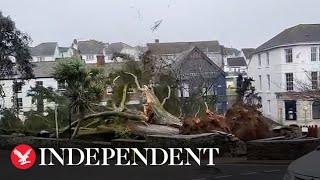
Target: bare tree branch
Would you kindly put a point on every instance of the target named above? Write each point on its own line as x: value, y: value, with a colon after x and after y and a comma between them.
x: 135, y: 80
x: 168, y: 97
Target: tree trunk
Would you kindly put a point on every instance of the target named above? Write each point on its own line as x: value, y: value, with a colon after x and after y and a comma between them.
x: 140, y: 129
x: 159, y: 115
x: 75, y: 132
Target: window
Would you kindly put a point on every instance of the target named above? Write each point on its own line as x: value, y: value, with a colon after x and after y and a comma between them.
x: 288, y: 55
x: 268, y: 60
x: 39, y: 83
x: 291, y: 110
x: 269, y: 85
x: 17, y: 87
x: 314, y: 53
x: 19, y: 103
x: 61, y: 85
x: 259, y: 57
x: 316, y: 110
x: 90, y: 57
x: 39, y: 59
x: 260, y: 82
x: 314, y: 80
x: 184, y: 90
x: 289, y: 81
x: 269, y: 106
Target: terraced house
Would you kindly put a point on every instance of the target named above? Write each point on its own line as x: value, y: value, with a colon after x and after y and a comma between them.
x: 286, y: 70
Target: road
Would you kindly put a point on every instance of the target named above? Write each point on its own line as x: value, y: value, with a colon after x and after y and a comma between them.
x: 235, y: 171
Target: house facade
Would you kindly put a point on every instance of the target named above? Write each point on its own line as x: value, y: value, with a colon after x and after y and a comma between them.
x: 286, y: 72
x: 90, y: 49
x: 18, y: 98
x: 47, y: 51
x: 194, y: 70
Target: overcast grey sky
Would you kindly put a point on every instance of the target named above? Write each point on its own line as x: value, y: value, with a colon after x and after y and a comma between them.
x: 236, y: 23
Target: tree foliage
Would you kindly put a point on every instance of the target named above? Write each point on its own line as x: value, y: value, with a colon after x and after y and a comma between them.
x: 14, y: 45
x: 84, y: 86
x: 246, y: 92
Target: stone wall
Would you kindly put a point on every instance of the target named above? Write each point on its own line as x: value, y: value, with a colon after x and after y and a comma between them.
x: 269, y: 149
x: 228, y: 144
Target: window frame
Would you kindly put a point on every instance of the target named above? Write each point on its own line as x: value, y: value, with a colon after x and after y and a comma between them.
x: 268, y: 59
x: 289, y: 81
x: 260, y: 82
x: 19, y: 103
x: 259, y: 60
x: 39, y: 82
x: 288, y: 55
x: 269, y: 82
x: 314, y: 54
x: 314, y: 80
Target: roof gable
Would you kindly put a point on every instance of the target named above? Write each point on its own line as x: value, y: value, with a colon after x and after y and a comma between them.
x: 183, y: 57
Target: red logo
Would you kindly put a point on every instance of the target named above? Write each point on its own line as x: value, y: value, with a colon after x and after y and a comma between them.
x: 23, y: 156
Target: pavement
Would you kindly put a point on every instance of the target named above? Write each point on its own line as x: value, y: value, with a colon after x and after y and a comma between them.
x: 225, y: 169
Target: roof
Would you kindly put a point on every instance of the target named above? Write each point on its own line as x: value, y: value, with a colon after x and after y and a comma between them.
x: 179, y: 47
x: 248, y: 52
x: 44, y: 49
x: 116, y: 47
x: 236, y: 62
x: 90, y: 47
x: 182, y: 56
x: 302, y: 33
x: 44, y: 69
x: 63, y: 49
x: 231, y: 51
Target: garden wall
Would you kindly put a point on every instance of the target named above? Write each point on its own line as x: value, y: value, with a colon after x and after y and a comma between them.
x: 272, y: 149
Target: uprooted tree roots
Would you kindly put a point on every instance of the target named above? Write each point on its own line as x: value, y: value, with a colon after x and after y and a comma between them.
x: 243, y: 121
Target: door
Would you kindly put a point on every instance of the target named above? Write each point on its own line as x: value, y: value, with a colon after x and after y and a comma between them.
x: 291, y: 110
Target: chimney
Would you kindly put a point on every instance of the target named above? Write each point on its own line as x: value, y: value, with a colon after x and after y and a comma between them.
x: 100, y: 60
x: 156, y: 41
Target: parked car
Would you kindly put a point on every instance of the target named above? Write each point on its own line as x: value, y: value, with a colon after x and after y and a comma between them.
x: 305, y: 168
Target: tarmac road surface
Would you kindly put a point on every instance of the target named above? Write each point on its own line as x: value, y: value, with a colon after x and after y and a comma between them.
x: 231, y: 171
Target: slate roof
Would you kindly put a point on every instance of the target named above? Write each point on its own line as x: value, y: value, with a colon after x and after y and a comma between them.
x: 236, y: 62
x: 116, y: 47
x: 248, y: 52
x: 179, y: 47
x: 44, y: 49
x: 44, y: 69
x: 63, y: 49
x: 231, y: 51
x: 90, y: 47
x: 301, y: 33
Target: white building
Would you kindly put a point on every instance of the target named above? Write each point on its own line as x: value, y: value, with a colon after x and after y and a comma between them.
x: 19, y: 99
x: 283, y: 68
x: 47, y: 51
x: 90, y: 49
